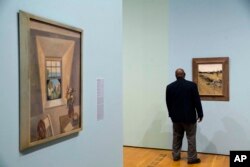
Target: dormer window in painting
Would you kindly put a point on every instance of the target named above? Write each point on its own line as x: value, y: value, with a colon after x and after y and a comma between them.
x: 53, y: 81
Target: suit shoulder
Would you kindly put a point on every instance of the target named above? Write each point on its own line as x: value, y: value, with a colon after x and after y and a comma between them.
x: 191, y: 83
x: 171, y: 84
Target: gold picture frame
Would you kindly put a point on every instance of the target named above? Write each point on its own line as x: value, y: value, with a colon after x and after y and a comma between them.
x: 212, y: 77
x: 50, y: 80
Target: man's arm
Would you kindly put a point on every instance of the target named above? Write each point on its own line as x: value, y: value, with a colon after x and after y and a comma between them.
x: 168, y: 101
x: 198, y: 105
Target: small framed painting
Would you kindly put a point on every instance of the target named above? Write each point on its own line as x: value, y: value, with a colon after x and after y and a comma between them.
x: 212, y: 77
x: 50, y: 80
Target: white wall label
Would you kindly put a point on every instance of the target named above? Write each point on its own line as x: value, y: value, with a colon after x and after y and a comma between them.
x: 100, y: 98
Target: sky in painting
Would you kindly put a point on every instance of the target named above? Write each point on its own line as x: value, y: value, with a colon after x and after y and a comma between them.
x: 209, y: 67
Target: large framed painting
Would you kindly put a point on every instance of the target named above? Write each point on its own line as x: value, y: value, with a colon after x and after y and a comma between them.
x: 212, y: 77
x: 50, y: 80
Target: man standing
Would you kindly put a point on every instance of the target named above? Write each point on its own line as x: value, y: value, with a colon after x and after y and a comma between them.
x: 184, y: 109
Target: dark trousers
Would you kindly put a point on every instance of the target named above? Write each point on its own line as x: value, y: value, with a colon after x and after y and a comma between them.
x: 178, y: 133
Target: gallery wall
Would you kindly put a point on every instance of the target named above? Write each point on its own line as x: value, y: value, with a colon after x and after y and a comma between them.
x: 214, y: 28
x: 185, y: 30
x: 100, y: 141
x: 145, y: 50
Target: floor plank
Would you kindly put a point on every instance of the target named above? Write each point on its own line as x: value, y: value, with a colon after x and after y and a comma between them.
x: 143, y: 157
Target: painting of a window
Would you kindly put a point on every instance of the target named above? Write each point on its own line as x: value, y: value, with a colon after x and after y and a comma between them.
x: 54, y: 81
x: 50, y: 80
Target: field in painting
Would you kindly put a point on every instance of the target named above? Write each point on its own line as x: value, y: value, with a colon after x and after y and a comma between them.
x: 210, y: 83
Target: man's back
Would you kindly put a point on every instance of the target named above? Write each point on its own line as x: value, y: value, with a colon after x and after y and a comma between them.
x: 183, y: 101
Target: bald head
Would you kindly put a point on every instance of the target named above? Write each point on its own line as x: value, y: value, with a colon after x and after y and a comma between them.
x: 180, y: 73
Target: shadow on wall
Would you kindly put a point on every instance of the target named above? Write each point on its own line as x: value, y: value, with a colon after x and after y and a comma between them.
x: 203, y: 145
x: 234, y: 137
x: 44, y: 145
x: 246, y: 4
x: 1, y: 162
x: 207, y: 146
x: 158, y: 135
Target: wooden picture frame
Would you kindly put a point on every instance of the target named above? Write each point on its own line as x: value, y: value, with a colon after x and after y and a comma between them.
x: 212, y: 77
x: 50, y: 80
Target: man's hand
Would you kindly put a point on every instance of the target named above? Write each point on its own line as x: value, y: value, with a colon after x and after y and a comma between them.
x: 200, y: 119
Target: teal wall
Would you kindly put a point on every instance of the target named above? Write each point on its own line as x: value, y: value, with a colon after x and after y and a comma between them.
x: 145, y: 50
x: 100, y: 142
x: 161, y: 36
x: 212, y: 28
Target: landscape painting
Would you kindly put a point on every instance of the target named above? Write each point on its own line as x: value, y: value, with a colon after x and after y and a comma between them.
x: 212, y: 77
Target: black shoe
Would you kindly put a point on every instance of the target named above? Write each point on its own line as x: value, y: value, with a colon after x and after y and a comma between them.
x: 195, y: 161
x: 177, y: 158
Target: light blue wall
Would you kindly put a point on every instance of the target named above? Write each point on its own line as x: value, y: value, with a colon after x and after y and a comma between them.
x: 100, y: 142
x: 145, y: 50
x: 212, y: 28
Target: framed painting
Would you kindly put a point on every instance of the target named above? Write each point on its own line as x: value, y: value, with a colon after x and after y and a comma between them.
x: 50, y: 80
x: 212, y: 78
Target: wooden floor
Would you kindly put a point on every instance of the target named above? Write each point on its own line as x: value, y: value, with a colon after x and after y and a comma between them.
x: 142, y: 157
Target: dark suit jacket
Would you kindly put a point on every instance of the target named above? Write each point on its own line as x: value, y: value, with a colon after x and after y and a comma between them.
x: 183, y: 101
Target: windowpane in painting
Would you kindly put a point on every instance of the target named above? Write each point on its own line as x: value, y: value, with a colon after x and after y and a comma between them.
x: 53, y: 79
